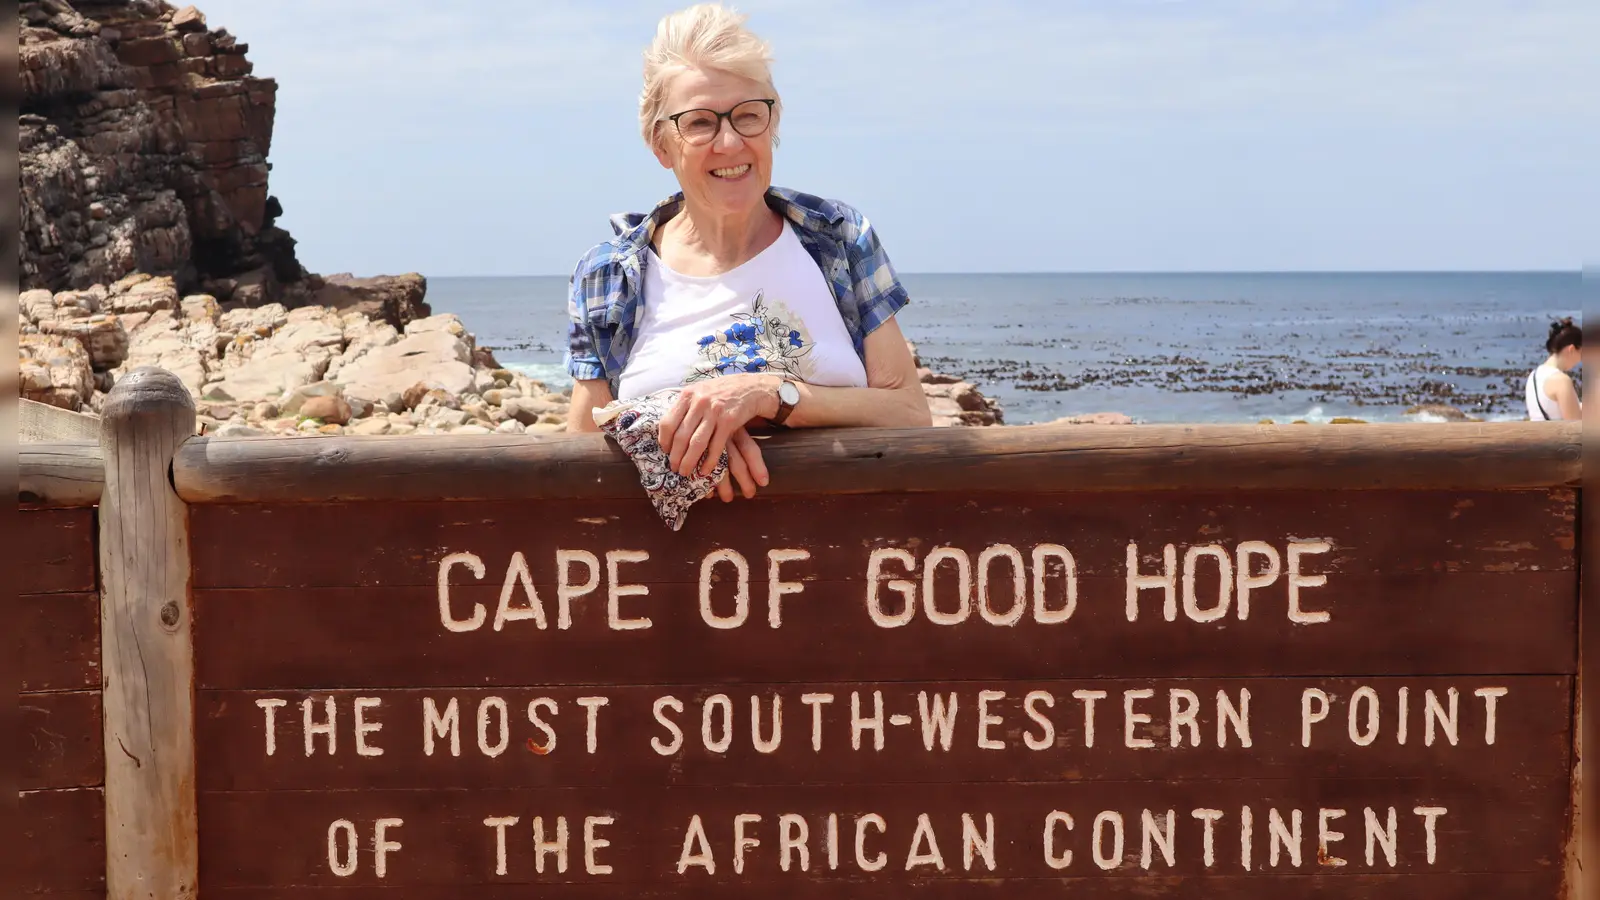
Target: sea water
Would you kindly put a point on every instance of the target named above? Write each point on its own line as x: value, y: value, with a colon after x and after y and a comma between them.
x: 1235, y: 347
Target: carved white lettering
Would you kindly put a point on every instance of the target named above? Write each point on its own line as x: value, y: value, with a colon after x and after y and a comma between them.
x: 792, y: 834
x: 930, y: 572
x: 1132, y: 720
x: 863, y: 862
x: 676, y: 741
x: 1047, y: 729
x: 906, y: 589
x: 503, y: 723
x: 777, y: 588
x: 556, y: 847
x: 975, y: 846
x: 1283, y: 837
x: 500, y: 824
x: 1248, y: 580
x: 816, y: 702
x: 1051, y: 858
x: 985, y: 720
x: 1313, y: 709
x: 435, y: 725
x: 313, y: 728
x: 1042, y: 612
x: 517, y: 575
x: 1167, y: 582
x: 346, y: 866
x: 546, y: 746
x: 1490, y: 695
x: 446, y: 618
x: 874, y: 723
x: 364, y: 728
x: 924, y: 846
x: 1327, y: 836
x: 741, y: 594
x: 1191, y: 602
x: 694, y: 839
x: 1297, y: 581
x: 567, y: 590
x: 1208, y: 818
x: 1019, y: 590
x: 270, y: 706
x: 593, y: 843
x: 1104, y: 858
x: 1153, y: 837
x: 616, y: 590
x: 717, y: 704
x: 591, y: 708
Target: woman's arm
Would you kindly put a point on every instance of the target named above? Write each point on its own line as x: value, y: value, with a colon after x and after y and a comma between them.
x: 709, y: 412
x: 892, y: 398
x: 587, y: 396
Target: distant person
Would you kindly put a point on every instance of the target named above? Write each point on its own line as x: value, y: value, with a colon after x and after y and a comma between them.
x: 1550, y: 392
x: 764, y: 304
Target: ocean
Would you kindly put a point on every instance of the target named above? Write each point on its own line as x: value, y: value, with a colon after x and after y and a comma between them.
x: 1238, y: 347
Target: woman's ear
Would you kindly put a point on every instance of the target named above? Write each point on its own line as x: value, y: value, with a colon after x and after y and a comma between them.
x: 658, y: 146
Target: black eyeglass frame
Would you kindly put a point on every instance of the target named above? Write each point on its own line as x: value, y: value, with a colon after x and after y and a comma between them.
x: 724, y: 115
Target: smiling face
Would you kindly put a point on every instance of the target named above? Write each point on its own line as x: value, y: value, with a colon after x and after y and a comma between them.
x: 729, y: 174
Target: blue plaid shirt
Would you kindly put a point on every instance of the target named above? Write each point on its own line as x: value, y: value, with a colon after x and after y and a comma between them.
x: 605, y: 303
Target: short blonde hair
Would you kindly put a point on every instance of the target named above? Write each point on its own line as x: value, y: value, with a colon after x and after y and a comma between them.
x: 704, y: 36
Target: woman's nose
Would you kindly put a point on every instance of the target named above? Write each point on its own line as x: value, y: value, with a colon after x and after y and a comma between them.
x: 727, y: 138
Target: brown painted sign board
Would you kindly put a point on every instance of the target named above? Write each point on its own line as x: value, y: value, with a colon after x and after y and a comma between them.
x: 1332, y: 693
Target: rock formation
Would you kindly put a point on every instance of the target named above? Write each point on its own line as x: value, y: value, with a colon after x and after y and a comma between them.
x: 143, y: 141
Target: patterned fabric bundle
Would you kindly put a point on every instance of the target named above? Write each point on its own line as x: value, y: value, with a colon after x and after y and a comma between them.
x: 634, y: 425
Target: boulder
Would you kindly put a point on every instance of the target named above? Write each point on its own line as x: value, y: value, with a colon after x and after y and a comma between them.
x: 394, y: 299
x: 332, y: 410
x: 433, y: 357
x: 55, y: 369
x: 102, y: 337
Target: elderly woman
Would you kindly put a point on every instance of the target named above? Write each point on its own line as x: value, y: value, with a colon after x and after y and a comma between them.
x: 766, y: 306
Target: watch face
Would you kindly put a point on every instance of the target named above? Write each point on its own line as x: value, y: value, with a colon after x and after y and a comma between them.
x: 788, y: 393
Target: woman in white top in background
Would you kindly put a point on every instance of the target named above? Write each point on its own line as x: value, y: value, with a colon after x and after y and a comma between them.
x: 1549, y: 392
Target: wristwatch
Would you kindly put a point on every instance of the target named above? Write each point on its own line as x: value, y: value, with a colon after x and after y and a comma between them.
x: 788, y: 399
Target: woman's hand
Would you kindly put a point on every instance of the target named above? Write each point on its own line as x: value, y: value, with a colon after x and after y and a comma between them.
x: 707, y: 416
x: 745, y: 466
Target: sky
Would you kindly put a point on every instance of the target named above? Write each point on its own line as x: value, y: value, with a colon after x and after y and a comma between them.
x: 496, y: 137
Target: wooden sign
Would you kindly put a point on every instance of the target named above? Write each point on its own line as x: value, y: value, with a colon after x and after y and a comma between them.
x: 1218, y: 662
x: 1263, y: 694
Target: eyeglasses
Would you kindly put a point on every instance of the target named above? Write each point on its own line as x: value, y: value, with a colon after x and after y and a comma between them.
x: 699, y: 126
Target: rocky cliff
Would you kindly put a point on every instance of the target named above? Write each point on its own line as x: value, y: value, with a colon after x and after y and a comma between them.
x: 143, y: 142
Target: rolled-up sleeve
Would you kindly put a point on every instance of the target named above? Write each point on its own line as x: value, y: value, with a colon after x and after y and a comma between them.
x: 583, y: 357
x: 879, y: 293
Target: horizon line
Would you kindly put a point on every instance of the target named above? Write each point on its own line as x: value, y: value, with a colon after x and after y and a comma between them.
x: 1581, y: 270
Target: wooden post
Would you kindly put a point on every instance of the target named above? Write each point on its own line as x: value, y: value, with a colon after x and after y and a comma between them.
x: 146, y: 652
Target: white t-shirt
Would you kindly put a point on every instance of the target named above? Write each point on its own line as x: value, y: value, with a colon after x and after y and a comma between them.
x: 775, y: 314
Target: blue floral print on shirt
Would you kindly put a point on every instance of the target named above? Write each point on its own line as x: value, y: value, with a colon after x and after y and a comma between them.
x: 757, y: 341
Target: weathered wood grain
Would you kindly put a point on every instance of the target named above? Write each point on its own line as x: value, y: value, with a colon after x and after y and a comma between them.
x: 146, y: 653
x: 63, y: 846
x: 337, y: 545
x: 1531, y: 734
x: 59, y: 641
x: 60, y: 740
x: 809, y: 462
x: 60, y: 473
x: 1437, y: 623
x: 276, y: 838
x: 1210, y: 887
x: 56, y: 549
